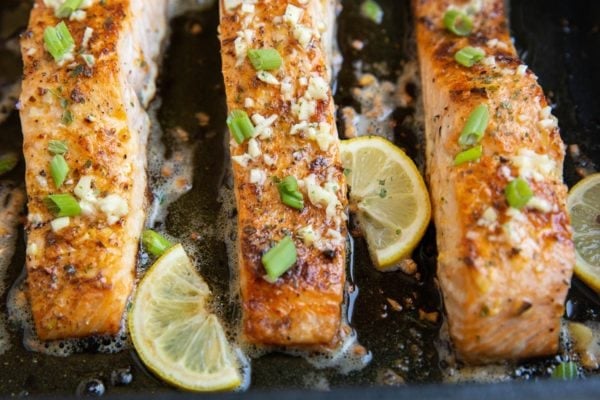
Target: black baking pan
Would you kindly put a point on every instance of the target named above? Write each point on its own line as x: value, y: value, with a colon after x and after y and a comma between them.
x: 559, y: 40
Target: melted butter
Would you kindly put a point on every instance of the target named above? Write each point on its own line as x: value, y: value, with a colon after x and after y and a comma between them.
x: 393, y: 110
x: 169, y: 178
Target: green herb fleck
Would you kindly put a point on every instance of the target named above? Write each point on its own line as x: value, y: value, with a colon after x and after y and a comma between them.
x: 67, y: 117
x: 57, y: 147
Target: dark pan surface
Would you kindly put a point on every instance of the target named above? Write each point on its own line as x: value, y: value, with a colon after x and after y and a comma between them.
x: 559, y: 40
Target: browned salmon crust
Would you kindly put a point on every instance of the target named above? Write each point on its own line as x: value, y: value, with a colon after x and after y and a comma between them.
x: 504, y: 273
x: 80, y: 271
x: 293, y: 111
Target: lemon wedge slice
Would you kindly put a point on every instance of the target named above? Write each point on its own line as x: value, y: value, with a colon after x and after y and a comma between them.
x: 389, y: 197
x: 174, y: 334
x: 584, y: 206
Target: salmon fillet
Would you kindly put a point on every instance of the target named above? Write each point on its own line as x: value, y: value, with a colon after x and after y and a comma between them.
x: 81, y: 270
x: 295, y: 135
x: 504, y: 272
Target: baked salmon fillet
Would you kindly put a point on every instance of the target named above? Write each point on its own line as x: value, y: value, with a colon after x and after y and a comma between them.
x: 294, y: 135
x: 503, y: 233
x: 88, y: 108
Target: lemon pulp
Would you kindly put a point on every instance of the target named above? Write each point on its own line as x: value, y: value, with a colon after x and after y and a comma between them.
x: 389, y: 197
x: 584, y: 206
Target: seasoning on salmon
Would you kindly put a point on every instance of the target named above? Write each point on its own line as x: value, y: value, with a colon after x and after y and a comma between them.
x: 494, y: 163
x: 289, y: 183
x: 88, y: 74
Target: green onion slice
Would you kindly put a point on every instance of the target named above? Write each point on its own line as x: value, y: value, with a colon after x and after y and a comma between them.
x: 469, y: 56
x: 57, y: 147
x: 240, y: 126
x: 566, y: 370
x: 294, y: 200
x: 264, y: 59
x: 154, y: 242
x: 289, y: 193
x: 7, y: 162
x: 58, y: 169
x: 371, y: 10
x: 518, y: 193
x: 62, y: 205
x: 67, y: 8
x: 58, y: 41
x: 475, y: 126
x: 472, y: 154
x: 458, y: 22
x: 280, y: 258
x: 288, y: 184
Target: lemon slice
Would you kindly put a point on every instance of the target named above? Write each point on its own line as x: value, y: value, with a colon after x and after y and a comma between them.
x: 389, y: 196
x: 584, y: 206
x: 173, y: 332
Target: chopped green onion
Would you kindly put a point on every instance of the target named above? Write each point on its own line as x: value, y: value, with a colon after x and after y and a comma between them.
x: 280, y: 258
x: 264, y: 59
x: 57, y: 147
x: 7, y: 162
x: 154, y: 242
x: 62, y: 205
x: 289, y: 194
x: 288, y: 184
x: 475, y: 126
x: 240, y: 126
x: 458, y: 22
x: 566, y: 370
x: 472, y: 154
x: 371, y: 10
x: 469, y: 56
x: 67, y: 8
x: 58, y: 41
x: 518, y: 193
x: 58, y: 169
x: 294, y: 200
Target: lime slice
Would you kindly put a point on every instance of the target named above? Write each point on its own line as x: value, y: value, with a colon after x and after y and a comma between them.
x: 584, y: 206
x: 389, y: 196
x: 173, y: 332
